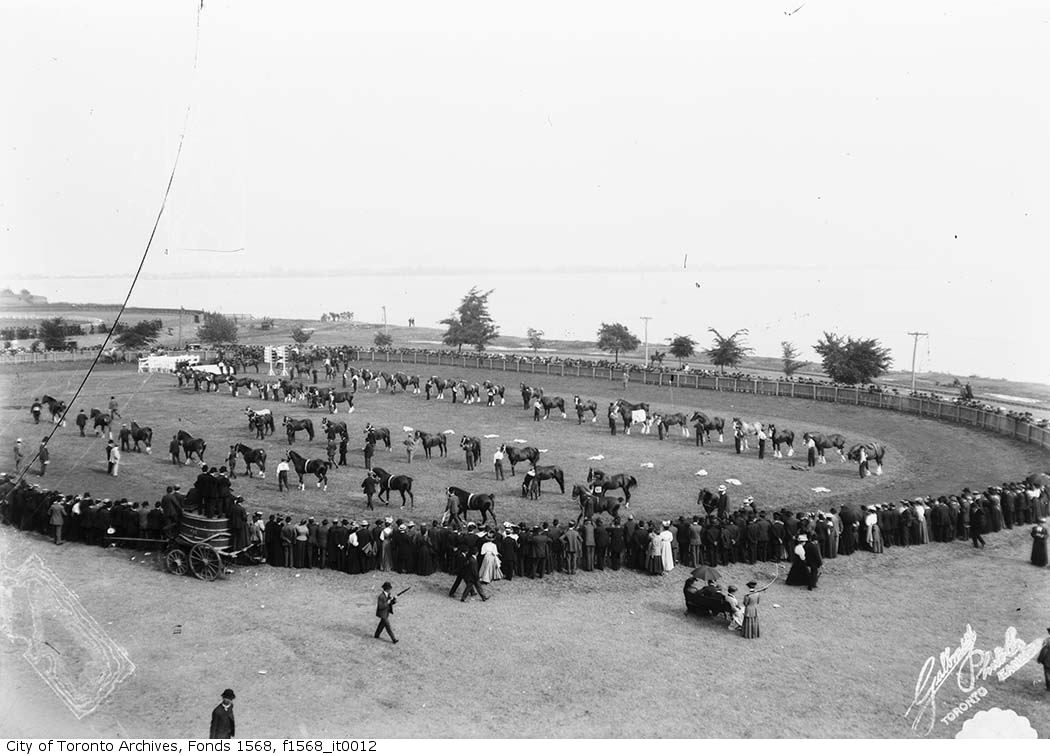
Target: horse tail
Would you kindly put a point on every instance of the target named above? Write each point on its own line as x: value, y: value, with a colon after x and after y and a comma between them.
x: 631, y: 482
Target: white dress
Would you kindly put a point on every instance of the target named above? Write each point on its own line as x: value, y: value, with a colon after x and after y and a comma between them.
x: 490, y: 563
x: 666, y: 554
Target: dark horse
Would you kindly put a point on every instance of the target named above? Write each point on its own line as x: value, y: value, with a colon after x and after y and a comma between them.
x: 705, y: 425
x: 781, y: 438
x: 518, y: 455
x: 497, y: 390
x: 527, y: 394
x: 375, y: 434
x: 591, y: 504
x: 538, y: 474
x: 335, y: 398
x: 473, y: 445
x: 317, y: 467
x: 824, y: 442
x: 582, y: 407
x: 666, y: 420
x: 333, y: 429
x: 101, y: 421
x: 432, y: 441
x: 262, y: 422
x: 603, y: 482
x: 873, y: 451
x: 142, y: 435
x: 292, y: 426
x: 256, y: 456
x: 627, y: 410
x: 54, y: 406
x: 387, y: 482
x: 547, y: 403
x: 191, y: 445
x: 483, y: 502
x: 708, y: 500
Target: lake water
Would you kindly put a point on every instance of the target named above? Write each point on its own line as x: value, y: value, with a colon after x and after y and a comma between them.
x: 966, y: 336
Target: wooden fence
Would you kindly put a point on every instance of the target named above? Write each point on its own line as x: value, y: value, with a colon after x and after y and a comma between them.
x: 945, y: 411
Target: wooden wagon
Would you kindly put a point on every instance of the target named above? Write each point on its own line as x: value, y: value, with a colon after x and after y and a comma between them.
x: 201, y: 546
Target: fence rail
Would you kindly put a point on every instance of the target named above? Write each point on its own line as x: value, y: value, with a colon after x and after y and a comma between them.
x: 944, y: 411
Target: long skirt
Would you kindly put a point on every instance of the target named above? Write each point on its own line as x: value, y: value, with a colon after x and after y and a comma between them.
x: 656, y: 564
x: 750, y: 630
x: 799, y: 574
x: 1039, y: 551
x: 875, y: 539
x: 386, y: 555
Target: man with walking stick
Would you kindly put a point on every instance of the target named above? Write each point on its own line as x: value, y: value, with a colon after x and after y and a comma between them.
x: 384, y: 607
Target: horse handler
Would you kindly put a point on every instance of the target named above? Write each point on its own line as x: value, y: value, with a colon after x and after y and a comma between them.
x: 384, y: 607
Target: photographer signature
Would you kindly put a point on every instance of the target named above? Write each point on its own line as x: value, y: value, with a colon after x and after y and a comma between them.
x: 969, y: 665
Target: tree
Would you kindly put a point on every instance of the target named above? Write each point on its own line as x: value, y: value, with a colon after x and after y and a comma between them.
x: 471, y: 322
x: 301, y: 336
x: 682, y: 347
x: 615, y: 337
x: 792, y: 364
x: 383, y: 339
x: 217, y: 328
x: 141, y: 335
x: 53, y: 333
x: 728, y: 351
x: 536, y: 341
x: 852, y: 360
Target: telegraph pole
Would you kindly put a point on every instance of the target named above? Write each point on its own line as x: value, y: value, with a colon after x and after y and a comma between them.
x: 179, y: 346
x: 914, y: 348
x: 646, y: 319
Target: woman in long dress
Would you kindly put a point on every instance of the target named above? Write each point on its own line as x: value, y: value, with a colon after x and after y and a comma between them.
x: 871, y: 522
x: 751, y: 600
x: 490, y: 563
x: 666, y: 547
x: 386, y: 548
x: 656, y: 562
x: 799, y: 574
x: 1039, y: 535
x: 425, y: 562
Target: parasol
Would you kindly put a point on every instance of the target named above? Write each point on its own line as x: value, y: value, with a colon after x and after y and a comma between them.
x: 707, y: 573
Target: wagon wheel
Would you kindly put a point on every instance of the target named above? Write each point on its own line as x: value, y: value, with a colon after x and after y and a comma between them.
x: 205, y: 562
x: 176, y: 562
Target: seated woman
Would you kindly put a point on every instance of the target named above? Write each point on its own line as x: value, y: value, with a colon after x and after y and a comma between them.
x: 736, y: 618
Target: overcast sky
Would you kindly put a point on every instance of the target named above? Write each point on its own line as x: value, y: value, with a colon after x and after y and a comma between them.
x: 904, y: 144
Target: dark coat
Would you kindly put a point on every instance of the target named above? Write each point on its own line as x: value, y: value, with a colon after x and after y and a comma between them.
x: 222, y: 724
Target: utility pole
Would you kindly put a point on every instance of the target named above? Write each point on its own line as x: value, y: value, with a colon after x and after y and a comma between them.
x: 646, y: 319
x: 914, y: 348
x: 384, y: 318
x: 179, y: 346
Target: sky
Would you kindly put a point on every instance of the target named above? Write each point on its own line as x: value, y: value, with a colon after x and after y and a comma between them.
x: 881, y: 165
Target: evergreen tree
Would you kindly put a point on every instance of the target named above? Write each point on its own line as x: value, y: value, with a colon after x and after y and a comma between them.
x: 471, y: 323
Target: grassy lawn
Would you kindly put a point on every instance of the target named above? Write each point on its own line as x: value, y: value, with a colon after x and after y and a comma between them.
x: 598, y: 654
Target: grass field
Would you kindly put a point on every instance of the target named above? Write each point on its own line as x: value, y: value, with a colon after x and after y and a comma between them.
x: 597, y: 654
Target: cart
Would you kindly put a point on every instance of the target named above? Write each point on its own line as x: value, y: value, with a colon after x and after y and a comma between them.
x: 201, y: 546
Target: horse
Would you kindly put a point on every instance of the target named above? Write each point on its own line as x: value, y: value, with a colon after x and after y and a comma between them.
x: 779, y: 438
x: 256, y: 456
x: 292, y: 426
x: 466, y: 502
x: 599, y: 480
x: 375, y: 434
x: 666, y: 420
x: 101, y: 421
x: 582, y: 407
x: 387, y: 482
x: 440, y: 384
x: 634, y: 414
x: 707, y: 499
x: 746, y: 429
x: 824, y: 442
x: 333, y: 429
x: 527, y: 394
x: 388, y: 381
x: 497, y: 389
x: 261, y: 421
x: 54, y: 406
x: 517, y: 455
x: 432, y: 441
x: 318, y: 467
x: 471, y: 392
x: 142, y: 435
x: 334, y: 398
x: 191, y: 445
x: 547, y: 403
x: 403, y: 380
x: 542, y: 473
x: 472, y: 444
x: 238, y: 383
x: 873, y: 451
x: 591, y: 504
x: 706, y: 424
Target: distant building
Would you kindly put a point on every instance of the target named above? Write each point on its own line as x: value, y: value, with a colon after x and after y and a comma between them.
x: 23, y: 298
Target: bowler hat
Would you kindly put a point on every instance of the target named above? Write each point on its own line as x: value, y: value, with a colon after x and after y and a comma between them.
x: 387, y: 585
x: 227, y: 694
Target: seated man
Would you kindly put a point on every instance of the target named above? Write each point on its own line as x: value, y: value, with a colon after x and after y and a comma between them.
x: 711, y: 591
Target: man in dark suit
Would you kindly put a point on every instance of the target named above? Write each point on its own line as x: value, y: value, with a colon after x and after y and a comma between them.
x: 468, y: 575
x: 617, y: 544
x: 541, y: 544
x: 813, y: 563
x: 384, y: 607
x: 222, y: 724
